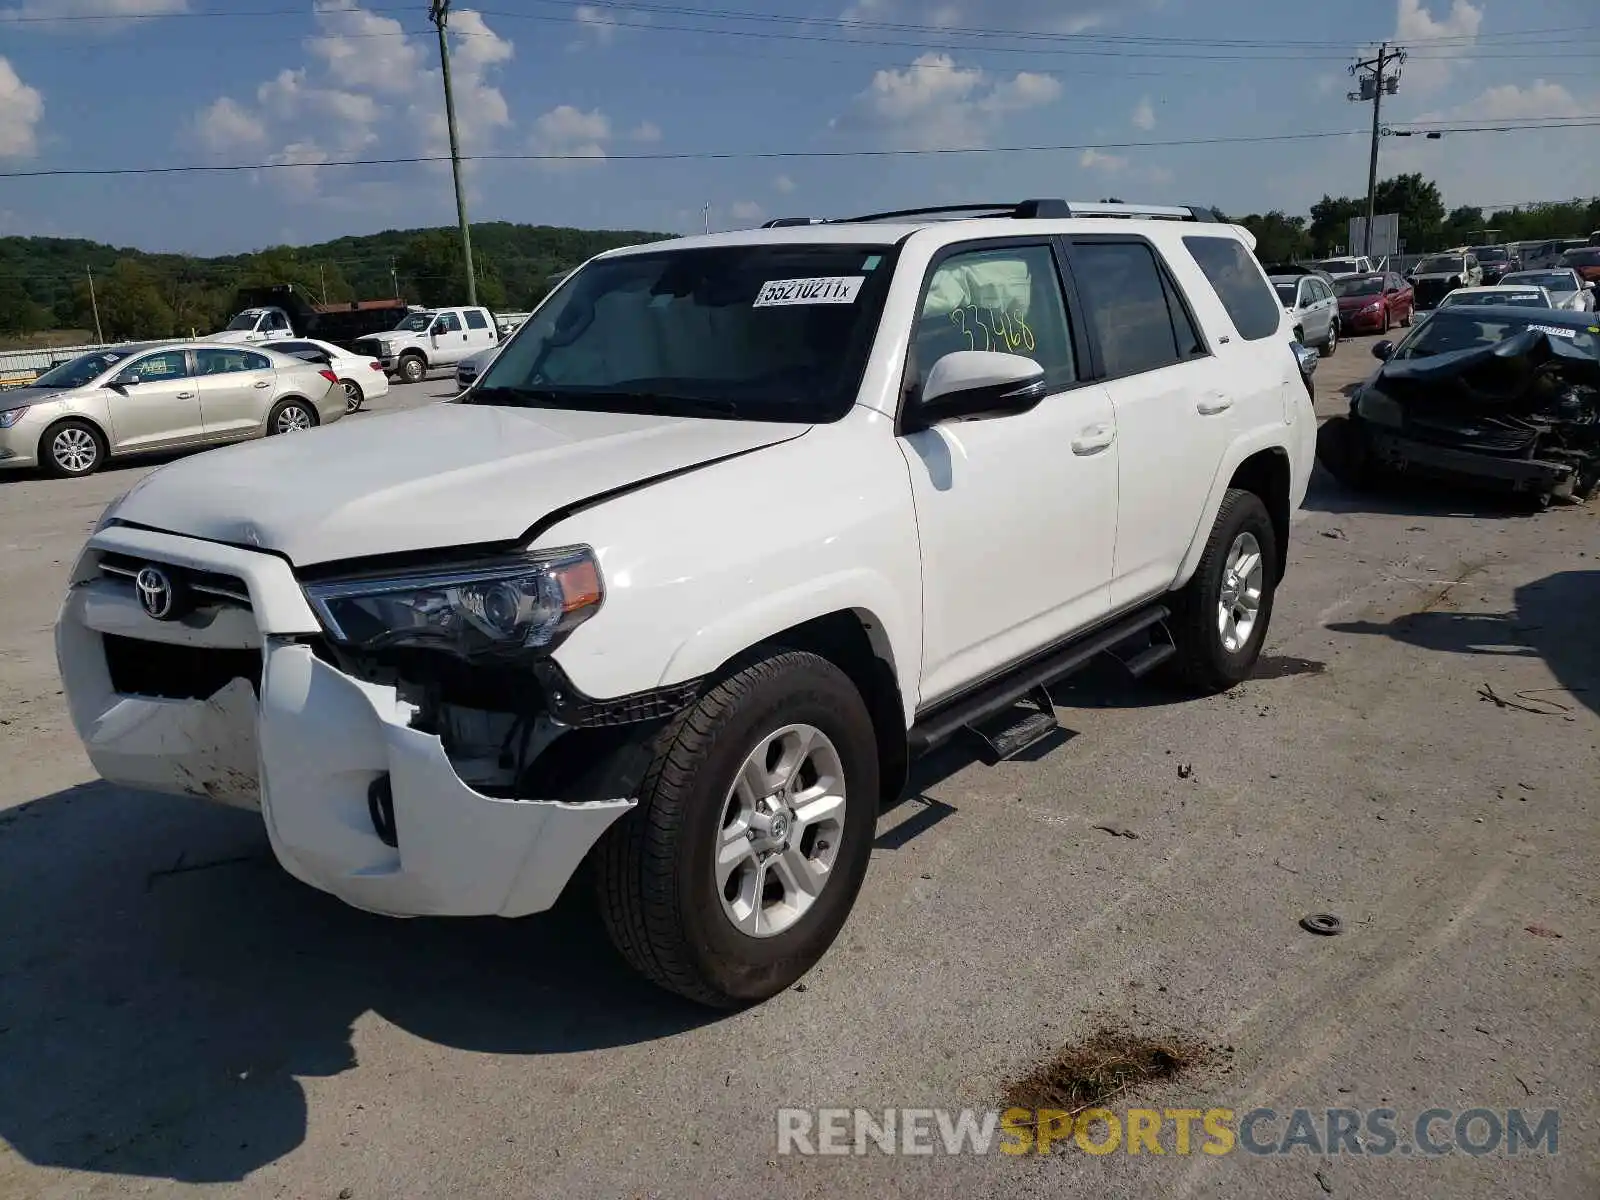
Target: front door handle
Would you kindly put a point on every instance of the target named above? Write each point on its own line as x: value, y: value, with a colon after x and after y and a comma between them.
x: 185, y: 395
x: 1093, y: 439
x: 261, y: 383
x: 1214, y: 403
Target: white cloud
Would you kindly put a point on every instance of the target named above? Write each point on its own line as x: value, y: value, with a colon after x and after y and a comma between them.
x: 783, y: 185
x: 1538, y: 99
x: 302, y: 178
x: 104, y: 10
x: 224, y: 125
x: 1046, y: 16
x: 572, y: 134
x: 602, y: 26
x: 21, y: 110
x: 647, y: 132
x: 365, y: 51
x: 935, y: 103
x: 1431, y: 61
x: 1096, y: 160
x: 749, y: 212
x: 1144, y: 116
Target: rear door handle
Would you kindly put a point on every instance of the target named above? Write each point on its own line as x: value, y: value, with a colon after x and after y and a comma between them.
x: 1093, y: 439
x: 1213, y: 403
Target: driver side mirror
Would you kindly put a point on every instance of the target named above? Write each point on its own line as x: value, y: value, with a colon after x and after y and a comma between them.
x: 126, y: 379
x: 968, y: 384
x: 1383, y: 350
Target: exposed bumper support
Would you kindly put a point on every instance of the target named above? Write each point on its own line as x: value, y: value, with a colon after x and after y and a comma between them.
x: 1521, y: 474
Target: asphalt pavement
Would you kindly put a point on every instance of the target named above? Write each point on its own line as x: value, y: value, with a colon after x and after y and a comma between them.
x: 1416, y: 756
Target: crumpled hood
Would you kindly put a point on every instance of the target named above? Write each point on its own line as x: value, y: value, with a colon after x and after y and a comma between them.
x: 441, y: 476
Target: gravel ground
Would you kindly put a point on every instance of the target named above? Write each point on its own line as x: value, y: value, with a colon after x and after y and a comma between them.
x: 179, y: 1016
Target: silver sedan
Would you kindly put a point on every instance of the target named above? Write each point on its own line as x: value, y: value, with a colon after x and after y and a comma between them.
x: 144, y: 398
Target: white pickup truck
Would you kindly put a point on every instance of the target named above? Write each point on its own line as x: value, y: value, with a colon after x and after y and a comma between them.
x: 425, y: 341
x: 730, y: 530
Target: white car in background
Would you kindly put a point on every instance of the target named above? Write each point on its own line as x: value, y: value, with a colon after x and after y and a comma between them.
x: 1566, y: 287
x: 361, y: 377
x: 1521, y: 295
x: 1343, y: 268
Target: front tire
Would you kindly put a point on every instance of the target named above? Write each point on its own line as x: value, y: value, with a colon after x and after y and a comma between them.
x: 70, y: 449
x: 412, y: 368
x: 741, y: 862
x: 1328, y: 347
x: 1220, y: 618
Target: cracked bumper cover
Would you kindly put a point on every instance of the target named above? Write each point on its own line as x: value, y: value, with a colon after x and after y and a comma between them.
x: 307, y: 749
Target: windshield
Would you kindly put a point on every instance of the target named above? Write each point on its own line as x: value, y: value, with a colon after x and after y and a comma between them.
x: 1338, y: 266
x: 1359, y: 287
x: 776, y: 332
x: 1554, y: 281
x: 1440, y: 265
x: 1286, y: 292
x: 1491, y: 254
x: 415, y: 323
x: 1451, y: 329
x: 79, y: 371
x: 1581, y: 258
x: 246, y: 319
x: 1531, y: 299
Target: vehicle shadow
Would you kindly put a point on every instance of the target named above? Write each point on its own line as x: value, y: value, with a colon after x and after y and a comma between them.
x: 1410, y: 498
x: 1553, y: 619
x: 164, y: 986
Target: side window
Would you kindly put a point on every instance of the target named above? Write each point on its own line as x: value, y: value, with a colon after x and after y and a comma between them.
x: 228, y: 362
x: 275, y: 320
x: 158, y: 368
x: 1239, y: 284
x: 1127, y: 305
x: 1007, y: 300
x: 1189, y: 343
x: 475, y: 319
x: 449, y: 323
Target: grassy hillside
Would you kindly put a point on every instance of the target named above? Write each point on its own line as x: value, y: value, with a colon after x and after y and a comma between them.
x: 44, y: 282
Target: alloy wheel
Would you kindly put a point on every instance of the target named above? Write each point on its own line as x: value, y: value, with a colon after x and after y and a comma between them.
x: 1239, y: 603
x: 74, y: 450
x: 293, y: 419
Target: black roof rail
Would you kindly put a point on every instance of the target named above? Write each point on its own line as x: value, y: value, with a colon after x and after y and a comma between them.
x: 1045, y: 210
x: 787, y: 222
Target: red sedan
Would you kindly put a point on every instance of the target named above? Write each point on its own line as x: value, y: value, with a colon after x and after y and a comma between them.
x: 1374, y: 303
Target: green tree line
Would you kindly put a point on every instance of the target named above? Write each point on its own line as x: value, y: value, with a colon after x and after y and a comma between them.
x: 1425, y: 224
x: 44, y: 282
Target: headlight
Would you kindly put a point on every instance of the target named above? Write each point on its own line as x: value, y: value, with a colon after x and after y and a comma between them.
x: 528, y: 602
x: 12, y: 415
x: 1372, y: 306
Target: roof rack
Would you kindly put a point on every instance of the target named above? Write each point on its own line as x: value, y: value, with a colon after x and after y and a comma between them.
x: 1041, y: 210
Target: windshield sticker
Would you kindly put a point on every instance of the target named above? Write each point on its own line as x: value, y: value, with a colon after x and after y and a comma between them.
x: 838, y: 289
x: 872, y: 262
x: 1554, y: 330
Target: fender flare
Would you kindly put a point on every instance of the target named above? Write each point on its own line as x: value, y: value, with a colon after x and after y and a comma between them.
x: 1251, y: 442
x: 100, y: 427
x: 864, y: 593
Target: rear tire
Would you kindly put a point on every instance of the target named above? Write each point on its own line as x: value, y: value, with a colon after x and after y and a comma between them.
x: 665, y: 901
x: 291, y: 416
x: 70, y: 449
x: 1220, y: 618
x: 354, y: 398
x: 1328, y: 347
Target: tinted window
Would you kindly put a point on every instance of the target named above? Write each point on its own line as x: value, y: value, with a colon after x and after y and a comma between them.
x: 1183, y: 328
x: 275, y: 320
x: 1127, y: 305
x: 1233, y: 273
x: 765, y: 332
x: 155, y: 368
x: 294, y: 347
x: 1006, y: 300
x: 475, y: 319
x: 226, y: 362
x: 1369, y: 285
x: 1289, y: 293
x: 448, y: 323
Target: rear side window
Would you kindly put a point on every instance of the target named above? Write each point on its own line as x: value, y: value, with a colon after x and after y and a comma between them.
x: 1238, y: 282
x: 475, y: 319
x: 1131, y: 307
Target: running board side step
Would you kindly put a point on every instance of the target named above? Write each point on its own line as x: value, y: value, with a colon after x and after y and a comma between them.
x: 976, y: 707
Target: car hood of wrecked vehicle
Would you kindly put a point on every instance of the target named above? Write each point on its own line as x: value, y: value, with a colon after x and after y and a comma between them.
x: 442, y: 476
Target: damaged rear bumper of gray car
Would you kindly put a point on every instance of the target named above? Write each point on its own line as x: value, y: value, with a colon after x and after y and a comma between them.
x: 234, y: 703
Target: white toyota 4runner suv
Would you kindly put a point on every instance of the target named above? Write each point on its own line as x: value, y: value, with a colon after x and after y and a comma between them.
x: 730, y: 530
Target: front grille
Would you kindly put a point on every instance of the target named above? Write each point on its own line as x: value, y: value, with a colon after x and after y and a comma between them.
x: 162, y: 671
x: 214, y: 587
x: 1489, y: 435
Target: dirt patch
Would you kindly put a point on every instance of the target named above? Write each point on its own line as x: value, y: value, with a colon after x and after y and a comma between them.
x: 1110, y: 1062
x: 1280, y: 666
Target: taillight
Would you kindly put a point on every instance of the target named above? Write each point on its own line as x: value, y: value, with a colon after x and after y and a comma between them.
x: 329, y: 376
x: 376, y: 366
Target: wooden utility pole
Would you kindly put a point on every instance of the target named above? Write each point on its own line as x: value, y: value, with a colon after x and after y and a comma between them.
x: 94, y: 305
x: 1373, y: 85
x: 439, y: 14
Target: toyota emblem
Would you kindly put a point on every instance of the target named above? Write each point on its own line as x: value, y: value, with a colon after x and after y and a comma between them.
x: 157, y: 596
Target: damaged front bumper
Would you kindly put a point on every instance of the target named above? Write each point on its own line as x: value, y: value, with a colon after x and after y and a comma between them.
x: 1518, y: 474
x: 234, y: 703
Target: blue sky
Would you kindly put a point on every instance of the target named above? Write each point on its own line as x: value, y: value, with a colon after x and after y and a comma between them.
x: 328, y: 79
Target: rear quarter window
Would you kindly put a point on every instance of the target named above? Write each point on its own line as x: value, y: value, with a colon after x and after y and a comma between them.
x: 475, y: 319
x: 1237, y: 279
